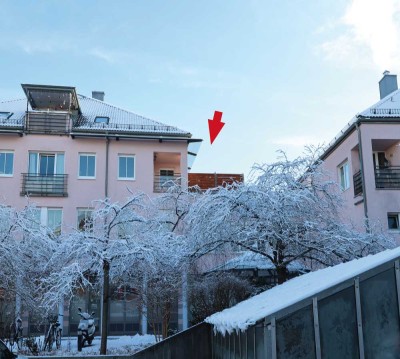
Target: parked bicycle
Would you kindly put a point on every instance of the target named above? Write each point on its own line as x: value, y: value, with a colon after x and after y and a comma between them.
x: 16, y: 334
x: 53, y: 336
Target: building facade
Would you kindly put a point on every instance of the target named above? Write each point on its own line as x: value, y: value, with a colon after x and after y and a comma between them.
x: 365, y: 160
x: 61, y: 151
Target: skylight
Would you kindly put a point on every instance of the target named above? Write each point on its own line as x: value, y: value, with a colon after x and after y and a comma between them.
x: 5, y: 115
x: 101, y: 119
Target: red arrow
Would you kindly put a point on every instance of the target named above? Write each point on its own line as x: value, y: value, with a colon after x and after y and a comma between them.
x: 215, y: 125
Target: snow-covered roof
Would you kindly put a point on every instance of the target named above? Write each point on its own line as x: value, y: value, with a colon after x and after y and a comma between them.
x: 250, y: 260
x: 120, y: 120
x: 388, y: 107
x: 250, y: 311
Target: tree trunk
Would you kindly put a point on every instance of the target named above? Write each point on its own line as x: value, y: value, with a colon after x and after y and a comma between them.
x: 104, y: 313
x: 282, y: 273
x: 165, y: 319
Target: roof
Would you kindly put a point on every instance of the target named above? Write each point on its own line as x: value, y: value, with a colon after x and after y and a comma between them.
x: 120, y: 120
x: 252, y: 310
x: 250, y: 261
x: 387, y: 108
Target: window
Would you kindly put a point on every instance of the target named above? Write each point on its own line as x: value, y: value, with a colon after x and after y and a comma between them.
x: 126, y: 167
x: 87, y: 165
x: 6, y: 163
x: 54, y: 220
x: 85, y: 220
x: 393, y: 221
x: 46, y: 164
x: 344, y: 176
x: 101, y: 119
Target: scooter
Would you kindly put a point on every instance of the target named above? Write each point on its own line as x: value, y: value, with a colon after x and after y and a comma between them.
x: 86, y: 329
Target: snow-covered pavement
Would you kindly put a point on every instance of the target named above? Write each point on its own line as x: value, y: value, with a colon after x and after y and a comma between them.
x: 115, y: 345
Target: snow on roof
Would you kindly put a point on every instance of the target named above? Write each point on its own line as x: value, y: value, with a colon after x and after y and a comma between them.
x: 120, y: 120
x: 248, y: 312
x: 389, y: 106
x: 250, y: 260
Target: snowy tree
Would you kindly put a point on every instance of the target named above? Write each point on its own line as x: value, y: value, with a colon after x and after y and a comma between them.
x: 164, y: 276
x: 113, y: 238
x: 289, y: 212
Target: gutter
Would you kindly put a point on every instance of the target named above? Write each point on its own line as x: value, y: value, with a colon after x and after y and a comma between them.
x: 360, y: 155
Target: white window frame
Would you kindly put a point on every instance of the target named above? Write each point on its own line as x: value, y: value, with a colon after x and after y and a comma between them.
x: 345, y: 167
x: 394, y: 214
x: 47, y: 219
x: 134, y: 167
x: 12, y: 173
x: 79, y: 165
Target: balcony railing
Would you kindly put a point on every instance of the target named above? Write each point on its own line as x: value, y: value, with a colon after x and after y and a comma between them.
x: 47, y: 122
x: 387, y: 177
x: 357, y: 182
x: 163, y: 183
x: 38, y: 185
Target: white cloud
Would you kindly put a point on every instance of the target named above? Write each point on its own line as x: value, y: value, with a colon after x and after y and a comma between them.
x: 369, y: 36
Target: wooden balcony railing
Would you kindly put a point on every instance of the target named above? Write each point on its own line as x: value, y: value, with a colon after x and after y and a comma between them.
x: 163, y: 183
x: 38, y: 185
x: 56, y: 123
x: 387, y: 177
x: 357, y: 183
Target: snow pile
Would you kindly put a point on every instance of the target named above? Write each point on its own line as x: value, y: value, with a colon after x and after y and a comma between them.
x: 251, y: 260
x: 248, y: 312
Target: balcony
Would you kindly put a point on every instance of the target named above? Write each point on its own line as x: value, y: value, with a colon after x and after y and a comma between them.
x: 52, y: 123
x: 357, y: 182
x: 163, y: 183
x: 37, y: 185
x: 387, y: 177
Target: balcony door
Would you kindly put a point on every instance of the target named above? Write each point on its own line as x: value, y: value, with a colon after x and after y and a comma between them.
x: 46, y: 164
x: 380, y: 160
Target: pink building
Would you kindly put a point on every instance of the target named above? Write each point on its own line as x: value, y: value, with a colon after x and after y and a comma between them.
x: 65, y: 150
x: 365, y: 160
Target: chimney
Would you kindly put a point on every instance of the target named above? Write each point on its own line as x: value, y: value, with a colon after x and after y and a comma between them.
x: 99, y: 95
x: 387, y: 84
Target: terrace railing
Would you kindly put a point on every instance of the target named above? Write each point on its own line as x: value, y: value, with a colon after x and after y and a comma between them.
x: 163, y: 183
x: 357, y: 182
x: 387, y: 177
x: 38, y: 185
x: 56, y: 123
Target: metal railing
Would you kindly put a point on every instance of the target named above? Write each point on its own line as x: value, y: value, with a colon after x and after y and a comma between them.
x: 387, y: 177
x: 357, y: 183
x: 47, y: 122
x: 163, y: 183
x: 38, y: 185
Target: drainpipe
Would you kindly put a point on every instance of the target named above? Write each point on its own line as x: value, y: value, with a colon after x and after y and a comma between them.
x: 360, y: 153
x: 106, y: 174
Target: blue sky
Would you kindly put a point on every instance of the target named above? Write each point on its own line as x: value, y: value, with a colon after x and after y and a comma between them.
x: 284, y: 73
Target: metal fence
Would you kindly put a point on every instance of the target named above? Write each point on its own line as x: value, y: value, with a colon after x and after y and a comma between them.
x: 387, y: 177
x: 358, y: 318
x: 357, y: 182
x: 193, y: 343
x: 38, y: 185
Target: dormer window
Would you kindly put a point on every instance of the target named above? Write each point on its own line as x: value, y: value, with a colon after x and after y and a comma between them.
x: 101, y: 119
x: 5, y: 115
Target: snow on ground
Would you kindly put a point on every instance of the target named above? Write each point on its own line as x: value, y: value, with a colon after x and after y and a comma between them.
x: 248, y: 312
x: 115, y: 345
